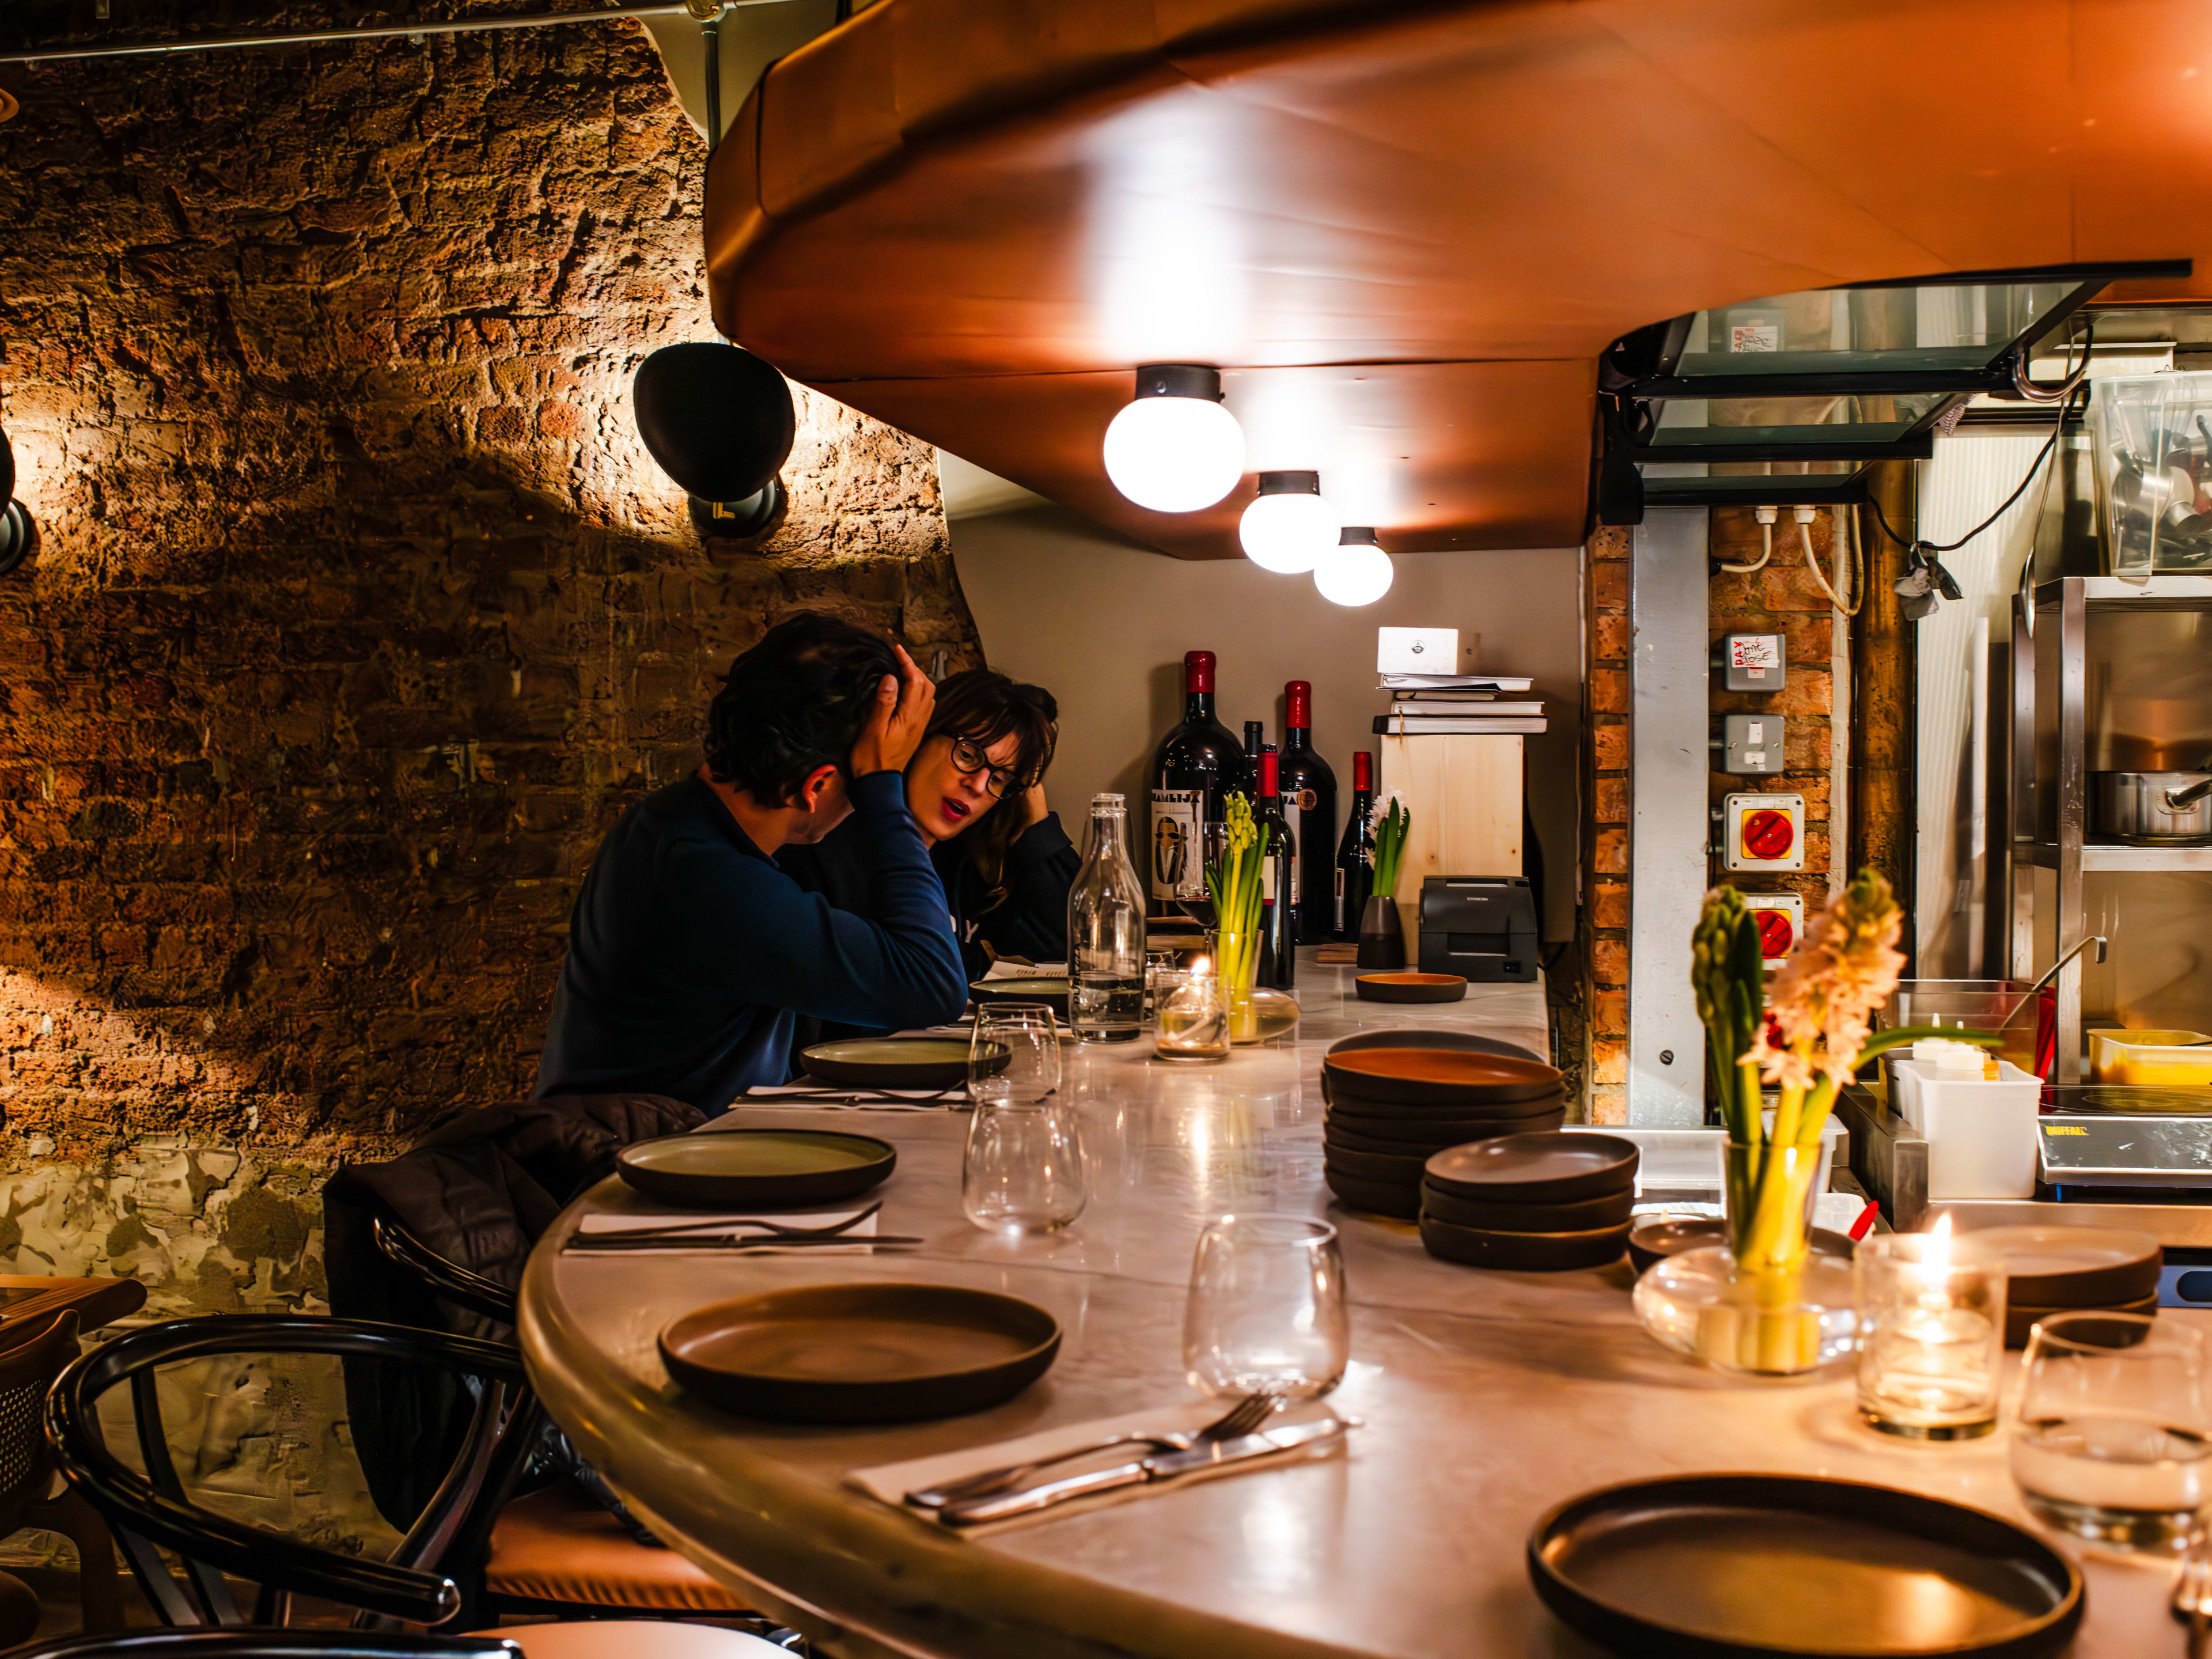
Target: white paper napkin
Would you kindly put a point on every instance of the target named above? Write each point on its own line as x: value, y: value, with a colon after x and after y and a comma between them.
x: 710, y: 1229
x: 890, y: 1482
x: 1006, y: 968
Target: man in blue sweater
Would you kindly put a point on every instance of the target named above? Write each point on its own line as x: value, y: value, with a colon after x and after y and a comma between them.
x: 690, y: 954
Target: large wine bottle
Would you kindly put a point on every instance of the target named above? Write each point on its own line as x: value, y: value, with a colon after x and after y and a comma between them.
x: 1355, y: 854
x: 1194, y: 770
x: 1309, y: 805
x: 1279, y: 877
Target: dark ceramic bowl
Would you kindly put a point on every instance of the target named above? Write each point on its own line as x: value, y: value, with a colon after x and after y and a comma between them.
x: 1524, y: 1253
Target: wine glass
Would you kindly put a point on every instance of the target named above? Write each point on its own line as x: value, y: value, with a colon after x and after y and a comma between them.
x: 1266, y: 1307
x: 1014, y: 1054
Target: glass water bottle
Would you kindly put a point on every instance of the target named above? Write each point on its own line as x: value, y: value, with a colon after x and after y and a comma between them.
x: 1106, y: 933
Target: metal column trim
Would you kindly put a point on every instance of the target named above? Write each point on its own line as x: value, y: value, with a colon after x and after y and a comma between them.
x: 1669, y: 836
x: 2073, y: 818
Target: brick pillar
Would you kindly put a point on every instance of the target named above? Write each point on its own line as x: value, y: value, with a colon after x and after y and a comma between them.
x: 1605, y: 919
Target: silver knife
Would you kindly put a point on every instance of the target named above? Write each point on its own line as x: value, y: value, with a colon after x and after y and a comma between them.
x: 1164, y: 1465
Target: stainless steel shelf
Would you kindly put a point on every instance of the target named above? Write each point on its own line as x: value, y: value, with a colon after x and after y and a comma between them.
x: 2044, y: 856
x: 2162, y: 591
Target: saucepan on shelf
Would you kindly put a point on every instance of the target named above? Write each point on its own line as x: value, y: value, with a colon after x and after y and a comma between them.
x: 2154, y: 809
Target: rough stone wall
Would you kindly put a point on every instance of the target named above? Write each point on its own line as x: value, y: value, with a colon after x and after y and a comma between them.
x: 359, y: 612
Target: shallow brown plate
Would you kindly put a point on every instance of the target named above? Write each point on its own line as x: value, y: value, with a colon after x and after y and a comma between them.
x: 1577, y: 1215
x: 1657, y: 1236
x: 1407, y: 1037
x: 1753, y: 1566
x: 1375, y: 1197
x: 893, y: 1062
x: 770, y: 1168
x: 861, y: 1353
x: 2050, y: 1267
x: 1436, y: 1130
x: 1439, y: 1077
x: 1410, y: 988
x: 1536, y: 1169
x: 1374, y: 1166
x: 2019, y: 1318
x: 1343, y: 1132
x: 1359, y: 1105
x: 1052, y: 993
x: 1523, y: 1253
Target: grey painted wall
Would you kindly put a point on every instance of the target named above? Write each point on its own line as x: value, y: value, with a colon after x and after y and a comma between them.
x: 1104, y: 624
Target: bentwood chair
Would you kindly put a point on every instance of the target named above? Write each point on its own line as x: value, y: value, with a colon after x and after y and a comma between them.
x: 245, y: 1642
x: 150, y: 1512
x: 30, y: 1359
x: 555, y: 1551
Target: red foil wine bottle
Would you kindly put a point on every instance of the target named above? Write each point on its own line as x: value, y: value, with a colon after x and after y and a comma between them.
x: 1309, y: 807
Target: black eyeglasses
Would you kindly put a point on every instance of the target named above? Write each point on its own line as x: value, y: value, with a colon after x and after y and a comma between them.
x: 969, y: 757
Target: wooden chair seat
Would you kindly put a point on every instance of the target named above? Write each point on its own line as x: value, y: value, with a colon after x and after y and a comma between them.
x: 634, y: 1638
x: 557, y: 1545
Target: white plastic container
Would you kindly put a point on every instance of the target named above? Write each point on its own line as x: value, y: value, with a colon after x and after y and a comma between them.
x: 1689, y: 1160
x: 1980, y: 1134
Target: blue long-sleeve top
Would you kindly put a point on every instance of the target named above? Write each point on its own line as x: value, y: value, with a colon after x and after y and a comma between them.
x: 691, y: 955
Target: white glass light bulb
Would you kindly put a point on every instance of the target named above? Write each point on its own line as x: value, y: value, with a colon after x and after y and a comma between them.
x: 1289, y: 534
x: 1175, y: 454
x: 1356, y: 574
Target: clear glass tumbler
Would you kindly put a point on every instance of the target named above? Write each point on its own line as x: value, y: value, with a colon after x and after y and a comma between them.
x: 1190, y: 1021
x: 1024, y: 1169
x: 1266, y: 1307
x: 1931, y: 1334
x: 2112, y: 1442
x: 1013, y: 1054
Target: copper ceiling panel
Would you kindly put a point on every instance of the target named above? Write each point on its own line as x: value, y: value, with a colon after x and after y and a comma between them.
x: 933, y: 207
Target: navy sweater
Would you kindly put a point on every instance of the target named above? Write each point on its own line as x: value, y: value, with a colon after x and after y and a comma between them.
x: 690, y: 954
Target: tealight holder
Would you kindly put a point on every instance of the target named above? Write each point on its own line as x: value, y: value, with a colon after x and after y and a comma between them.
x: 1190, y: 1015
x: 1931, y: 1334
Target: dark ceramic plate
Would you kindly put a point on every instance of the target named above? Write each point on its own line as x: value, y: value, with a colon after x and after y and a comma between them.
x: 1358, y: 1105
x: 892, y: 1062
x: 1375, y: 1166
x: 1658, y: 1235
x: 1439, y: 1077
x: 1409, y: 987
x: 1376, y: 1197
x: 1536, y: 1169
x: 1523, y: 1253
x: 1052, y: 993
x: 1577, y: 1215
x: 778, y: 1169
x: 2052, y: 1268
x: 1465, y: 1041
x: 1751, y: 1566
x: 2019, y: 1318
x: 1436, y: 1130
x: 861, y: 1353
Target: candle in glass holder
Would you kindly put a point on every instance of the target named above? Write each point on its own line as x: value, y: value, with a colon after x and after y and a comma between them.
x: 1191, y: 1017
x: 1931, y: 1334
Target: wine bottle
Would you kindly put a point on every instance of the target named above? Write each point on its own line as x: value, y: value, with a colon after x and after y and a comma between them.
x: 1106, y: 933
x: 1194, y: 770
x: 1355, y: 854
x: 1309, y: 805
x: 1278, y: 874
x: 1255, y: 740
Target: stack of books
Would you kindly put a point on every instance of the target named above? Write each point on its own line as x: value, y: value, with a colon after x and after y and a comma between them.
x: 1451, y: 705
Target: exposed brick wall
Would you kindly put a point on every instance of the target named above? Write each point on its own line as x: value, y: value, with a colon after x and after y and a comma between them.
x: 360, y: 611
x: 1612, y: 650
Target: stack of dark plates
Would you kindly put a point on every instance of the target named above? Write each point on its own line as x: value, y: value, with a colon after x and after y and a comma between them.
x: 1530, y: 1203
x: 1389, y: 1109
x: 2054, y: 1269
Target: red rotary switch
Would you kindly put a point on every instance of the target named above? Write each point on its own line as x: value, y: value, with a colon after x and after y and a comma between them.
x: 1776, y: 935
x: 1768, y: 834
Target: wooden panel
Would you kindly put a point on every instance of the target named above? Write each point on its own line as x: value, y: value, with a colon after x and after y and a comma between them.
x: 1464, y: 793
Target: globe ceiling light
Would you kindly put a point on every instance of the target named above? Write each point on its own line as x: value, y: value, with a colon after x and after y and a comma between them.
x: 1288, y: 527
x: 1176, y: 449
x: 1354, y: 571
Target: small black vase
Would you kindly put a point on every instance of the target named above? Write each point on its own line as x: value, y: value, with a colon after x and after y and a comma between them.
x: 1382, y: 934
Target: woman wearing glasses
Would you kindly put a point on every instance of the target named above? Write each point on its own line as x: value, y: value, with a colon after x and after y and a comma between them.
x: 976, y: 788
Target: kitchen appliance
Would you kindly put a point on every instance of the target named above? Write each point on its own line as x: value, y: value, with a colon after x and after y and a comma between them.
x: 2154, y: 809
x: 1480, y: 927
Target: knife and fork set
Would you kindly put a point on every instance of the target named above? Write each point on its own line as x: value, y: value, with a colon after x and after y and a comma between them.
x: 738, y: 1234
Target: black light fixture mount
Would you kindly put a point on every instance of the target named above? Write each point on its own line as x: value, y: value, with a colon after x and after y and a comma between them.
x: 19, y: 532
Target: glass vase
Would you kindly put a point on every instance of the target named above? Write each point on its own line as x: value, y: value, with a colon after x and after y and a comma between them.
x: 1239, y: 955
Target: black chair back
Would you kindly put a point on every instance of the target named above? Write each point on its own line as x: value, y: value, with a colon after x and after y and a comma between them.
x: 465, y: 1286
x: 246, y: 1643
x: 150, y: 1512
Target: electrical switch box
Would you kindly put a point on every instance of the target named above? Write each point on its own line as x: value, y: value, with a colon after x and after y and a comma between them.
x: 1751, y: 743
x: 1754, y: 662
x: 1780, y: 918
x: 1763, y: 832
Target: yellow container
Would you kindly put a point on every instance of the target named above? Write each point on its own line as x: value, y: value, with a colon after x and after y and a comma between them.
x: 2151, y: 1059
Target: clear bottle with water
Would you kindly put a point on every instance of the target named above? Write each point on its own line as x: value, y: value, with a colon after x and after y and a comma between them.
x: 1106, y: 933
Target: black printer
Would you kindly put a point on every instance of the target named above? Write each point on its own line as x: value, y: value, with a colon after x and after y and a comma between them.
x: 1480, y: 927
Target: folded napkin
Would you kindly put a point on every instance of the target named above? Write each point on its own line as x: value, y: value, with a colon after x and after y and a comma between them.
x: 710, y: 1230
x: 1012, y: 968
x: 891, y: 1482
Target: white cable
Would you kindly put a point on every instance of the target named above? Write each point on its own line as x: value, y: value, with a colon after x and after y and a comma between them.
x: 1766, y: 517
x: 1857, y: 581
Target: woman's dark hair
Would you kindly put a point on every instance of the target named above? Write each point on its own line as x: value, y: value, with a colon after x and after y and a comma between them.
x: 984, y: 707
x: 794, y: 703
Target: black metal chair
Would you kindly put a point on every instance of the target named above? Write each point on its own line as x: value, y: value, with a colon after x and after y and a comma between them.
x: 245, y: 1642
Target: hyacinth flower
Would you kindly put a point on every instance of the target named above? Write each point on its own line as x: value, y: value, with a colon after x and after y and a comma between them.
x: 1233, y: 882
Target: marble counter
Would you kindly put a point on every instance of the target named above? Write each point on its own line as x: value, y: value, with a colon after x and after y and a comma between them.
x: 1486, y: 1398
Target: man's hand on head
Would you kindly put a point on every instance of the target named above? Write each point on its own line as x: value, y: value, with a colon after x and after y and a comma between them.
x: 894, y: 730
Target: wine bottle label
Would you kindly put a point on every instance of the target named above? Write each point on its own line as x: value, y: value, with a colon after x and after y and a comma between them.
x: 1267, y: 880
x: 1339, y: 901
x: 1178, y: 845
x: 1307, y: 800
x: 1297, y: 880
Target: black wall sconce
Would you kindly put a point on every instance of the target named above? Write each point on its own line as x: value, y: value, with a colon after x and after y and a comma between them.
x: 719, y: 422
x: 19, y: 532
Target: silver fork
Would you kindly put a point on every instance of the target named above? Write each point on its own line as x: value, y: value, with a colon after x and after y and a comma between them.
x: 727, y: 1223
x: 1246, y: 1415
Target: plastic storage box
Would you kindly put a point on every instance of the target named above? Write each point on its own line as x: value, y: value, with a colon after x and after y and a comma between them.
x: 2151, y: 1059
x: 2150, y: 437
x: 1980, y: 1133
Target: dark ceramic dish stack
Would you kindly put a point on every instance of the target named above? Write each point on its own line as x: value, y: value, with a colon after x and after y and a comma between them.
x: 1530, y: 1203
x: 2061, y: 1269
x: 1390, y: 1107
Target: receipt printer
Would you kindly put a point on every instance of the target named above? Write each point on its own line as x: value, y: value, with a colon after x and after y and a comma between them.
x: 1480, y: 927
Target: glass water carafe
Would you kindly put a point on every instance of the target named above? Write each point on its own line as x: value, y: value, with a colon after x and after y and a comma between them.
x: 1106, y: 933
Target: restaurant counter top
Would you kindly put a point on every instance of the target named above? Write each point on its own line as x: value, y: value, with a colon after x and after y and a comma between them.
x: 1484, y: 1398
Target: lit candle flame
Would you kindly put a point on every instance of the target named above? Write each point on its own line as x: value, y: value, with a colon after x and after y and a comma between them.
x: 1205, y: 965
x: 1935, y: 1258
